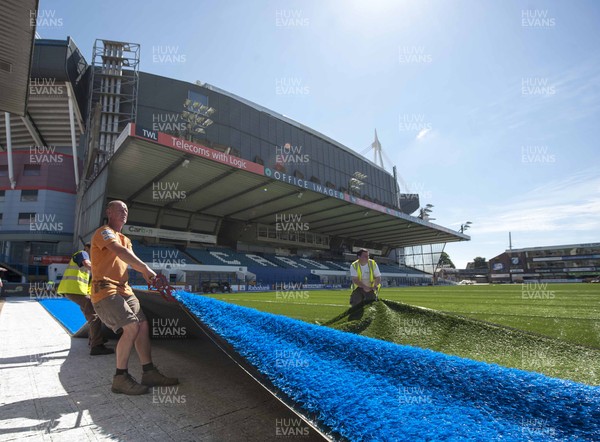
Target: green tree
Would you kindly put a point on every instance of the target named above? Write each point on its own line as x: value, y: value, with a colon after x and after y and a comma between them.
x: 480, y: 263
x: 445, y: 261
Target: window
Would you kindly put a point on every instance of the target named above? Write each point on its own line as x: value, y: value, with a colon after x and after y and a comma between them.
x: 4, y: 170
x: 26, y: 218
x: 2, y: 195
x: 1, y: 215
x: 32, y: 170
x: 29, y: 195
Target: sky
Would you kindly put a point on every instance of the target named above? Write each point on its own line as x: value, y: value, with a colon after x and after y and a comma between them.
x: 489, y: 109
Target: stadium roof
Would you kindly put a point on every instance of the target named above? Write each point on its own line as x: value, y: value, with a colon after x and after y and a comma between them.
x: 46, y: 121
x: 220, y: 186
x: 290, y: 121
x: 17, y: 32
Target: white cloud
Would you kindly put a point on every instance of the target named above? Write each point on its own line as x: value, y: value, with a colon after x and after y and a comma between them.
x: 423, y: 133
x: 570, y: 204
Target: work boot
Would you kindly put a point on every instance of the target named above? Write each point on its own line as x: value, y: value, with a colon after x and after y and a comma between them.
x: 101, y: 350
x: 125, y: 384
x: 154, y: 378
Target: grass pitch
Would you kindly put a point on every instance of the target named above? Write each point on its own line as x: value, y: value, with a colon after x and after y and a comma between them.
x: 551, y: 329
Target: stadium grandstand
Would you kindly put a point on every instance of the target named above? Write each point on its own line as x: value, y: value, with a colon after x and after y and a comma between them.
x: 564, y: 263
x: 222, y: 192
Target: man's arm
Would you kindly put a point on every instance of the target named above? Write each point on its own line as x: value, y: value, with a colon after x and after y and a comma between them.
x: 82, y: 259
x: 377, y: 279
x: 377, y: 282
x: 129, y: 257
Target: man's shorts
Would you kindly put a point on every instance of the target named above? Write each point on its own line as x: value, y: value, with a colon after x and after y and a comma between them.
x: 116, y: 311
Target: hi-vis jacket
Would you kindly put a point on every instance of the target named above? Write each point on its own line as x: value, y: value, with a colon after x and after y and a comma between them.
x: 357, y: 267
x: 75, y: 280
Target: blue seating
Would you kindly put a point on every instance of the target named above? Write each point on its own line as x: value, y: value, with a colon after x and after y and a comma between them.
x: 220, y: 256
x: 158, y: 255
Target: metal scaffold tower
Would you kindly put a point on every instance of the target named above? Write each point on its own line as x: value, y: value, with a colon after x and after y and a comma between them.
x: 113, y: 98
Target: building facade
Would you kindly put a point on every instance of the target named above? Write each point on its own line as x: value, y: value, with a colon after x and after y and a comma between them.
x: 40, y: 159
x: 565, y: 263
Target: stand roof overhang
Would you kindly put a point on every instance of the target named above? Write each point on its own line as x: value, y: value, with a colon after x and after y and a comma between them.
x: 223, y: 186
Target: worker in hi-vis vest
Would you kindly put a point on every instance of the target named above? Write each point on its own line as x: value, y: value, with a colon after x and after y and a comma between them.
x: 75, y: 285
x: 366, y: 279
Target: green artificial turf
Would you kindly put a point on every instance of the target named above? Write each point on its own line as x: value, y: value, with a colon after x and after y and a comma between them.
x: 550, y: 329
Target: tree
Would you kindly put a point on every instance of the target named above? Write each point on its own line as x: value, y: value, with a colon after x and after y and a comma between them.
x: 445, y: 261
x: 480, y: 263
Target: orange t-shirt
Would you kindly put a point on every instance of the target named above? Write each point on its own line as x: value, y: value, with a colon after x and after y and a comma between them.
x: 109, y: 273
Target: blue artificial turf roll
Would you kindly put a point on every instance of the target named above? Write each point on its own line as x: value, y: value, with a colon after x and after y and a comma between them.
x: 66, y: 312
x: 368, y: 389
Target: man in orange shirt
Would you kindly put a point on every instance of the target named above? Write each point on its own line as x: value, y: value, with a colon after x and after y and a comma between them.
x: 116, y: 304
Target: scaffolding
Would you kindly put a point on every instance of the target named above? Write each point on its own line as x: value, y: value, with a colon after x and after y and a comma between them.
x: 113, y: 97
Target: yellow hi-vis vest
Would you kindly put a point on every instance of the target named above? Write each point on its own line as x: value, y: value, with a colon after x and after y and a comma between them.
x: 75, y: 280
x: 356, y: 265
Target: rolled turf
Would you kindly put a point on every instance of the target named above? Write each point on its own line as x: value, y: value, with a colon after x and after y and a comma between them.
x: 368, y: 389
x: 66, y: 312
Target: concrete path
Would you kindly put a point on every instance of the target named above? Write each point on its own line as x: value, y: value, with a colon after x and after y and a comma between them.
x: 52, y: 390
